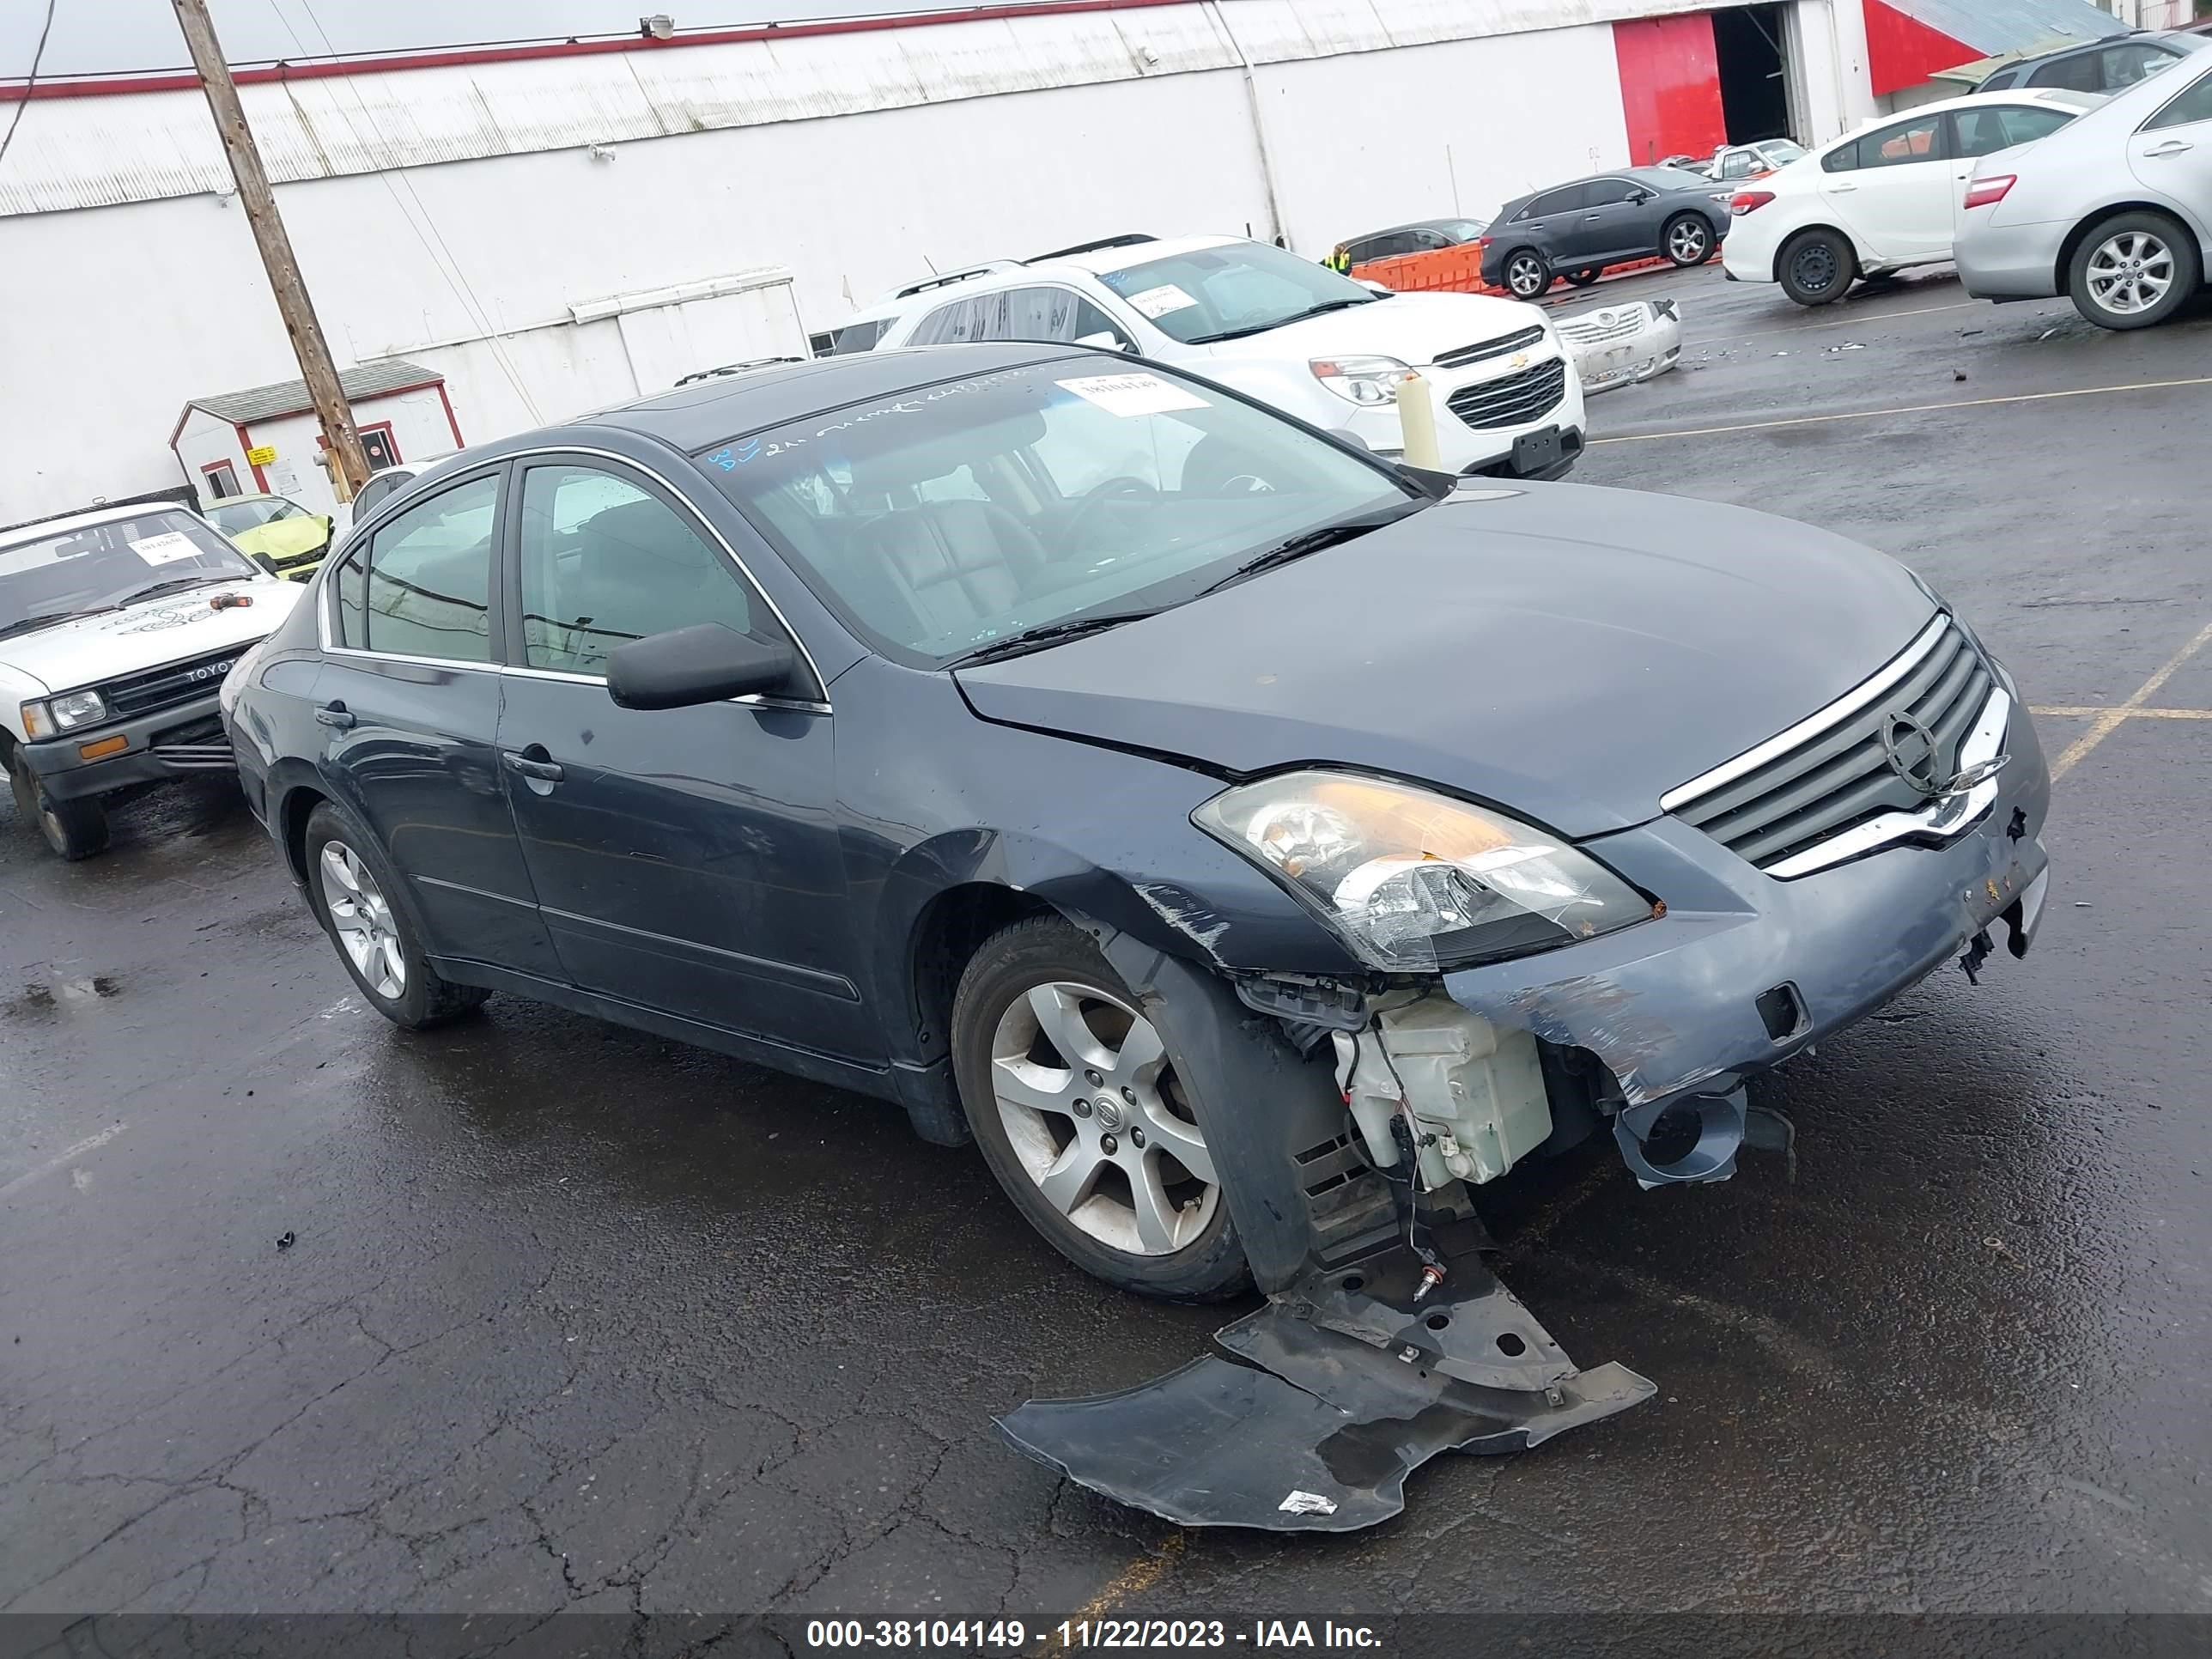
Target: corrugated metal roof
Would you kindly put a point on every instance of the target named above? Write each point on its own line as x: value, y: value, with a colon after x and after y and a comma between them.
x: 266, y: 402
x: 2014, y: 27
x: 100, y: 151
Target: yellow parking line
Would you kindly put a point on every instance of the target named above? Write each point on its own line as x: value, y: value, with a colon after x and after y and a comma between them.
x: 1139, y: 1575
x: 1902, y: 409
x: 2107, y: 720
x: 2131, y: 713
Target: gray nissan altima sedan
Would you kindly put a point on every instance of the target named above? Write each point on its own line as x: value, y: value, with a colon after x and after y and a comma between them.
x: 1255, y: 847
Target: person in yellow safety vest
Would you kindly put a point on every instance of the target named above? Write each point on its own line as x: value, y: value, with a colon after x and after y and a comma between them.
x: 1339, y: 258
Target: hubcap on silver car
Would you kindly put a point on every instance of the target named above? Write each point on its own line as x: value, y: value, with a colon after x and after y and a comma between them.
x: 1686, y: 241
x: 1095, y: 1115
x: 362, y: 921
x: 2130, y: 272
x: 1524, y: 275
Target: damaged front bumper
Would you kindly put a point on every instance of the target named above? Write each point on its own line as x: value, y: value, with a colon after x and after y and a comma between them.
x: 1745, y: 970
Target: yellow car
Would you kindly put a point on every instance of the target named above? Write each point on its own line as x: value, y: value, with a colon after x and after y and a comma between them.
x: 279, y: 535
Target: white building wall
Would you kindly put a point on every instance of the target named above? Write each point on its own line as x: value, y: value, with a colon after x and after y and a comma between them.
x: 1366, y: 141
x: 515, y: 196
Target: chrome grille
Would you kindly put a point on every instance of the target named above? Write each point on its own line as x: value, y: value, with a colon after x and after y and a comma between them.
x: 1836, y: 775
x: 175, y: 683
x: 1512, y: 399
x: 1503, y: 346
x: 1597, y: 327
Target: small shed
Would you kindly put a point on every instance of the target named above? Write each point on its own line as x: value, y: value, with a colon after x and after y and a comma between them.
x: 267, y: 438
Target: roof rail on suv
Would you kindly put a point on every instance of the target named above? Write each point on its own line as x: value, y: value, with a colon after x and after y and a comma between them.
x: 947, y: 278
x: 1129, y: 240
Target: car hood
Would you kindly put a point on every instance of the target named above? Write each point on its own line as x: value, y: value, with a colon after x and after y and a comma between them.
x: 146, y: 635
x: 1411, y: 327
x: 1566, y: 653
x: 283, y: 539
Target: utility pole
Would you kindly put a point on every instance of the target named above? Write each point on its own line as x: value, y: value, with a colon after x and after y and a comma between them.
x: 340, y: 437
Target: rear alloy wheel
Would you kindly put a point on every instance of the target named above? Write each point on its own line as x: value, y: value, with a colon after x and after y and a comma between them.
x: 1585, y: 277
x: 1078, y: 1108
x: 354, y: 891
x: 74, y: 829
x: 2134, y: 270
x: 1688, y: 239
x: 1527, y: 273
x: 1816, y: 268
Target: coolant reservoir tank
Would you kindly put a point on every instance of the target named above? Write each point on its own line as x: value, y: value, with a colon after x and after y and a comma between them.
x: 1478, y: 1086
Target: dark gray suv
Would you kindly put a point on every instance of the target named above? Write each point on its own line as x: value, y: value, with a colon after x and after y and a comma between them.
x: 1576, y: 230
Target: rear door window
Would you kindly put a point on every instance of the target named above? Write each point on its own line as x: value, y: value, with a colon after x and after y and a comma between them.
x: 428, y: 587
x: 1984, y: 132
x: 2194, y: 105
x: 2124, y: 65
x: 1901, y: 145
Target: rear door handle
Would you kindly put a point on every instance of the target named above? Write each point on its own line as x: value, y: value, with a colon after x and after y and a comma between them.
x: 335, y: 714
x: 530, y: 765
x: 1839, y: 188
x: 2171, y: 147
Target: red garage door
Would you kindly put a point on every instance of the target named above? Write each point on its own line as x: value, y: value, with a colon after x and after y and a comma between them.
x: 1670, y: 87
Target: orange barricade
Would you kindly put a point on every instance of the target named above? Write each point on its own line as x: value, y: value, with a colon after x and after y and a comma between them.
x: 1456, y: 270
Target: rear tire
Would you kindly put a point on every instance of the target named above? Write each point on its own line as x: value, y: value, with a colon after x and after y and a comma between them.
x: 1585, y: 277
x: 1527, y: 273
x: 360, y: 900
x: 1687, y: 239
x: 1816, y: 268
x: 1067, y: 1132
x: 2134, y: 270
x: 74, y: 829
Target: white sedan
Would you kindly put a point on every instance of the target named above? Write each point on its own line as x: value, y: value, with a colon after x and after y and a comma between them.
x: 1890, y: 196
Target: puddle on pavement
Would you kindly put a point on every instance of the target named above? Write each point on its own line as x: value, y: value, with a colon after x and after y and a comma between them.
x: 39, y: 999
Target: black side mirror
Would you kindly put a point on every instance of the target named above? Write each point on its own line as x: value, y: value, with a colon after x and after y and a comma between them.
x: 1435, y: 485
x: 1638, y: 198
x: 705, y: 662
x: 266, y: 561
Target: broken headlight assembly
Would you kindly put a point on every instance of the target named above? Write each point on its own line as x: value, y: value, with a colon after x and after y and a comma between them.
x: 1414, y: 881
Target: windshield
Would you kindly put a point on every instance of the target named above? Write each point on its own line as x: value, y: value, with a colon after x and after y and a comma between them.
x: 957, y: 515
x: 233, y: 516
x: 1781, y: 151
x: 1243, y: 288
x: 99, y: 567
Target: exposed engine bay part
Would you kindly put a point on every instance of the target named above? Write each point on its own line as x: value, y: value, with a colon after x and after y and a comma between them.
x: 1685, y: 1138
x: 1474, y: 1092
x: 1337, y: 1390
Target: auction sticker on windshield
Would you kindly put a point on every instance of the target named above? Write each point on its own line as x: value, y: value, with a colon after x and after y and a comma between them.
x: 1158, y: 302
x: 166, y: 547
x: 1132, y: 394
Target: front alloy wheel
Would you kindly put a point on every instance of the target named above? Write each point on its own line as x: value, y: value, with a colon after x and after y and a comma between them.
x: 1079, y: 1107
x: 1090, y: 1108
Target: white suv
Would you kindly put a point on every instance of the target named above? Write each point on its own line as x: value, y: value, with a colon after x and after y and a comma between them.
x: 1286, y: 332
x: 116, y: 629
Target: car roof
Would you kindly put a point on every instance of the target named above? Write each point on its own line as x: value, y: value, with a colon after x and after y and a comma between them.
x: 1099, y: 261
x: 45, y: 528
x: 1418, y: 224
x: 695, y: 417
x: 2064, y: 97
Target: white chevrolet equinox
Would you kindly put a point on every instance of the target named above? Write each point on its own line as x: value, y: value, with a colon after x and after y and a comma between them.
x: 1284, y: 331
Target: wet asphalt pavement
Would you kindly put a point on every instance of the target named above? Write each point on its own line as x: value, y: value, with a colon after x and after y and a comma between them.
x: 577, y: 1318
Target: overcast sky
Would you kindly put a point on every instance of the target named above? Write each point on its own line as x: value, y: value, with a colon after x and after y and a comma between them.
x: 92, y: 36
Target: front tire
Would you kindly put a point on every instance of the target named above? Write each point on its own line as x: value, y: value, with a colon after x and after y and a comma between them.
x: 1527, y: 273
x: 74, y: 829
x: 2133, y: 271
x: 1076, y: 1108
x: 1687, y: 239
x: 1816, y: 268
x: 358, y: 897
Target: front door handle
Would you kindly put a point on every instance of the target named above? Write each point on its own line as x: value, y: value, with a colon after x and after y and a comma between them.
x: 335, y: 714
x: 2171, y: 147
x: 1840, y: 188
x: 534, y: 763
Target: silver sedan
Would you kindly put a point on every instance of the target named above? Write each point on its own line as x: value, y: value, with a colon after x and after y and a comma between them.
x: 2113, y: 209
